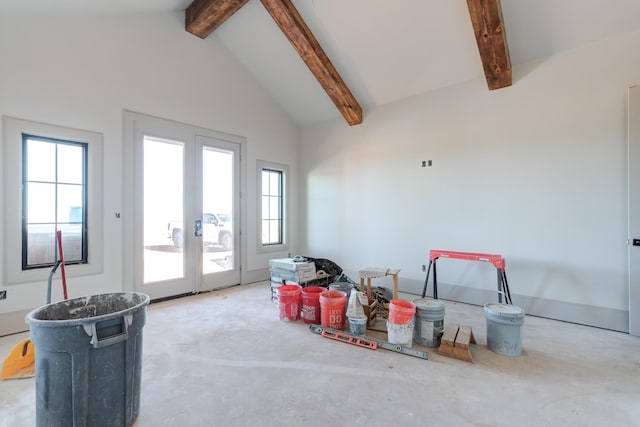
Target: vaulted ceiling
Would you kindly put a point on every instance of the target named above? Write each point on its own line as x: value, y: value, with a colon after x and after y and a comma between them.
x: 384, y: 50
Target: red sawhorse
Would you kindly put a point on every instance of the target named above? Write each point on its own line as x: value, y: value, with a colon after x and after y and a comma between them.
x: 496, y: 260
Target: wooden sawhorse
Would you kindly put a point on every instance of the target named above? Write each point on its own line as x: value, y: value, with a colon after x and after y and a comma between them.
x: 496, y: 260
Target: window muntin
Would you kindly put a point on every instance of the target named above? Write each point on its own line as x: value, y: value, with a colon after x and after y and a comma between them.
x: 54, y: 197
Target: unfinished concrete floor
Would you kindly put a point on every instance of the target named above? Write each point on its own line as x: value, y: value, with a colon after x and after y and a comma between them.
x: 224, y: 359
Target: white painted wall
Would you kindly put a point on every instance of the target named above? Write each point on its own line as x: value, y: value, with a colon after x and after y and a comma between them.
x: 82, y: 71
x: 535, y: 172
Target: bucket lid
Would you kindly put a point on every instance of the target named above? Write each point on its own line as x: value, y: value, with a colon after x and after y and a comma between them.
x: 504, y: 310
x: 333, y: 294
x: 428, y: 304
x: 402, y: 304
x: 313, y: 290
x: 289, y: 288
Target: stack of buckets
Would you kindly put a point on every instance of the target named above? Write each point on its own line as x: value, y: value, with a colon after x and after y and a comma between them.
x: 400, y: 322
x: 328, y: 308
x: 317, y: 304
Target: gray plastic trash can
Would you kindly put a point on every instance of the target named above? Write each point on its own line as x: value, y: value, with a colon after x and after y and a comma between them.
x: 88, y: 354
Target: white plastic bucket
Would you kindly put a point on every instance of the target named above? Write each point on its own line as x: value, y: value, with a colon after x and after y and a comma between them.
x: 429, y: 322
x: 504, y: 328
x: 400, y: 334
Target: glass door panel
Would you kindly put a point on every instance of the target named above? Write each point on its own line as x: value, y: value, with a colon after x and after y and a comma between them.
x: 218, y: 212
x: 163, y: 218
x: 218, y: 178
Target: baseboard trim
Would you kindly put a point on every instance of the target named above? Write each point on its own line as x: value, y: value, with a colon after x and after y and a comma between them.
x: 253, y: 276
x: 13, y: 322
x: 583, y: 314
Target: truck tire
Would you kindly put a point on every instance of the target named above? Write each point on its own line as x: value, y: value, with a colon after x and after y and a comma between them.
x: 226, y: 241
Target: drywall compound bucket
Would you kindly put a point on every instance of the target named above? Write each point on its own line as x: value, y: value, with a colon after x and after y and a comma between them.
x: 503, y: 328
x: 429, y: 322
x: 88, y: 354
x: 289, y: 302
x: 333, y: 308
x: 311, y: 304
x: 400, y: 322
x: 400, y: 334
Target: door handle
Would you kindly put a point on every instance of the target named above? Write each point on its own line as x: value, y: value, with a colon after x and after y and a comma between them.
x: 635, y: 242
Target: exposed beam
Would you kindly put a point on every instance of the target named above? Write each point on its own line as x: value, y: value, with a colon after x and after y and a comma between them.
x: 488, y: 26
x: 303, y: 41
x: 202, y: 17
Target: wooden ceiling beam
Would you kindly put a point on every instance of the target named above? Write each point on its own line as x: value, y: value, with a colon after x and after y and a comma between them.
x: 202, y: 17
x: 488, y: 26
x: 303, y: 41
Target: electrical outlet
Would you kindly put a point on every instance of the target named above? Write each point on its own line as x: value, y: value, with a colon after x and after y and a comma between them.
x: 424, y: 268
x: 424, y: 163
x: 3, y: 295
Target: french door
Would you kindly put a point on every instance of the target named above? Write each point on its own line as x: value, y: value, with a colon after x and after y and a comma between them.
x: 186, y: 230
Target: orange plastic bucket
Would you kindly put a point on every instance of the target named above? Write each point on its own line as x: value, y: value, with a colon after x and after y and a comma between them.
x: 333, y: 308
x: 311, y: 304
x: 401, y: 312
x: 289, y: 302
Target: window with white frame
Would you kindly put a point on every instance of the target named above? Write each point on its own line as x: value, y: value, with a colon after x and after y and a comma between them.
x: 272, y: 185
x: 52, y: 181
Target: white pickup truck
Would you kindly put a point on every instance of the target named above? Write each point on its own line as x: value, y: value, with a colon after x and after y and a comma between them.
x: 216, y: 230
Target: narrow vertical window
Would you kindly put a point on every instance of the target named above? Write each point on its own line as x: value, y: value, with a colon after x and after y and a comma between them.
x: 54, y: 197
x: 272, y: 206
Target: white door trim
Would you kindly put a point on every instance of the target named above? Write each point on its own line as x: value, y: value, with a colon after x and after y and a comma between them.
x: 634, y: 209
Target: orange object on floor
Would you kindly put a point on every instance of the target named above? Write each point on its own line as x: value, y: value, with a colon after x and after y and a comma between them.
x: 20, y: 362
x: 350, y: 339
